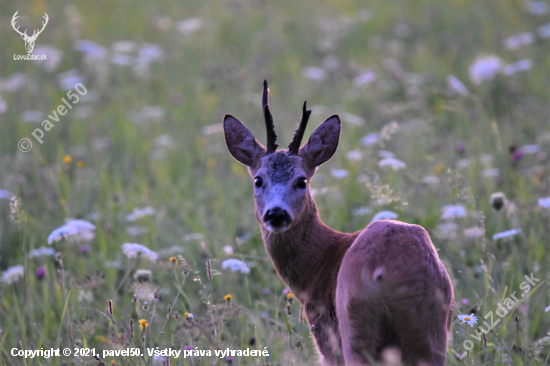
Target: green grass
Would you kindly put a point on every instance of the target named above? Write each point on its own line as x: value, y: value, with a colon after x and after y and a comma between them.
x: 196, y: 187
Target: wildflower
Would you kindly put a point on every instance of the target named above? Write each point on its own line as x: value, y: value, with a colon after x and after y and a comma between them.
x: 485, y: 68
x: 173, y: 260
x: 370, y: 139
x: 139, y: 213
x: 361, y: 211
x: 80, y: 164
x: 69, y: 79
x: 521, y: 65
x: 537, y: 7
x: 365, y: 78
x: 314, y: 73
x: 77, y: 229
x: 145, y: 306
x: 531, y: 149
x: 227, y: 249
x: 474, y: 232
x: 40, y: 273
x: 385, y: 215
x: 516, y: 41
x: 90, y: 48
x: 84, y: 249
x: 288, y: 308
x: 189, y: 26
x: 227, y: 298
x: 12, y: 274
x: 452, y: 212
x: 339, y: 173
x: 431, y: 179
x: 456, y: 85
x: 506, y: 234
x: 235, y: 265
x: 468, y: 319
x: 544, y: 31
x: 354, y: 155
x: 188, y: 316
x: 289, y: 297
x: 516, y: 156
x: 67, y: 159
x: 544, y: 202
x: 497, y: 200
x: 133, y: 250
x: 31, y: 116
x: 438, y: 169
x: 395, y: 164
x: 5, y: 194
x: 42, y: 251
x: 143, y: 324
x: 490, y: 172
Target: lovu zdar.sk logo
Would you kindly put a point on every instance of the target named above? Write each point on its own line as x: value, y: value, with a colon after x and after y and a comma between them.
x: 29, y: 40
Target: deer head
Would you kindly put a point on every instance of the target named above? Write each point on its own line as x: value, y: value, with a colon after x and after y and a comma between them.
x: 281, y: 178
x: 29, y: 40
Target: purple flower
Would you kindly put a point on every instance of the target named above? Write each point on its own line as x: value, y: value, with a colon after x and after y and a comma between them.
x: 517, y: 154
x: 229, y: 360
x: 40, y: 273
x: 187, y: 348
x: 465, y: 301
x: 460, y: 147
x: 84, y: 249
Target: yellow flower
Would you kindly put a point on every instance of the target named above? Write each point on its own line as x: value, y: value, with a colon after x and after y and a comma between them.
x: 67, y: 159
x: 143, y: 324
x: 63, y: 202
x: 80, y: 164
x: 438, y: 169
x: 227, y: 297
x: 173, y: 260
x: 289, y: 295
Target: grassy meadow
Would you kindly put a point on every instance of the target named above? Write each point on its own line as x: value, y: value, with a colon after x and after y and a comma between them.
x: 445, y: 108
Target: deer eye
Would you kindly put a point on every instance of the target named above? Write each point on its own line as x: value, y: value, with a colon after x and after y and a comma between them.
x: 302, y: 183
x: 258, y: 181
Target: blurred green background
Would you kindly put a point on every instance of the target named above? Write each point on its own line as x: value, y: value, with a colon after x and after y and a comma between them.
x: 443, y: 103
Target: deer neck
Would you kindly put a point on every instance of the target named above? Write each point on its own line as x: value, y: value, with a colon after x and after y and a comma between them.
x: 308, y: 255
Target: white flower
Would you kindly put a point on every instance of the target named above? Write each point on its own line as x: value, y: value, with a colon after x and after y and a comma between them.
x: 544, y: 202
x: 90, y: 48
x: 53, y: 57
x: 39, y: 252
x: 235, y: 265
x: 537, y: 7
x: 361, y: 211
x: 189, y: 26
x: 544, y: 31
x: 463, y: 164
x: 5, y: 194
x: 521, y: 65
x: 487, y: 159
x: 370, y: 139
x: 12, y: 274
x: 354, y: 155
x: 352, y: 119
x: 384, y: 215
x: 393, y: 163
x: 133, y: 250
x: 339, y: 173
x: 456, y: 85
x: 491, y: 172
x: 227, y: 249
x: 506, y: 234
x: 452, y: 212
x: 74, y: 229
x: 365, y: 78
x: 314, y: 73
x: 431, y: 179
x: 210, y: 129
x: 31, y: 116
x: 516, y: 41
x: 68, y: 79
x: 139, y: 213
x: 474, y: 232
x: 485, y: 68
x: 468, y: 319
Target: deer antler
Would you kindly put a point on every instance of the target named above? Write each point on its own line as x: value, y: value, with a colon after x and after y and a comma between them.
x: 13, y: 19
x: 35, y: 33
x: 299, y: 134
x: 271, y: 135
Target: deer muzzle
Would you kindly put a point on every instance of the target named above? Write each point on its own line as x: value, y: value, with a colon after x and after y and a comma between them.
x: 277, y: 219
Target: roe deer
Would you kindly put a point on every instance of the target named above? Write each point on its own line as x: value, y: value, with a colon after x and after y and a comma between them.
x: 363, y: 292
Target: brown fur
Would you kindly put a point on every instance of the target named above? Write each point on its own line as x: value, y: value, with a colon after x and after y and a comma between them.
x: 365, y: 293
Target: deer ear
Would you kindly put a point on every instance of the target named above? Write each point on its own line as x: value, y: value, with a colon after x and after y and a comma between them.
x: 322, y: 143
x: 241, y: 142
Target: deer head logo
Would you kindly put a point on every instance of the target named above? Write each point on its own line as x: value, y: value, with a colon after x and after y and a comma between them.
x: 29, y: 40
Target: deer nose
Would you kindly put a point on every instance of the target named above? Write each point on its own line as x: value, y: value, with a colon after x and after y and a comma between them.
x: 277, y: 217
